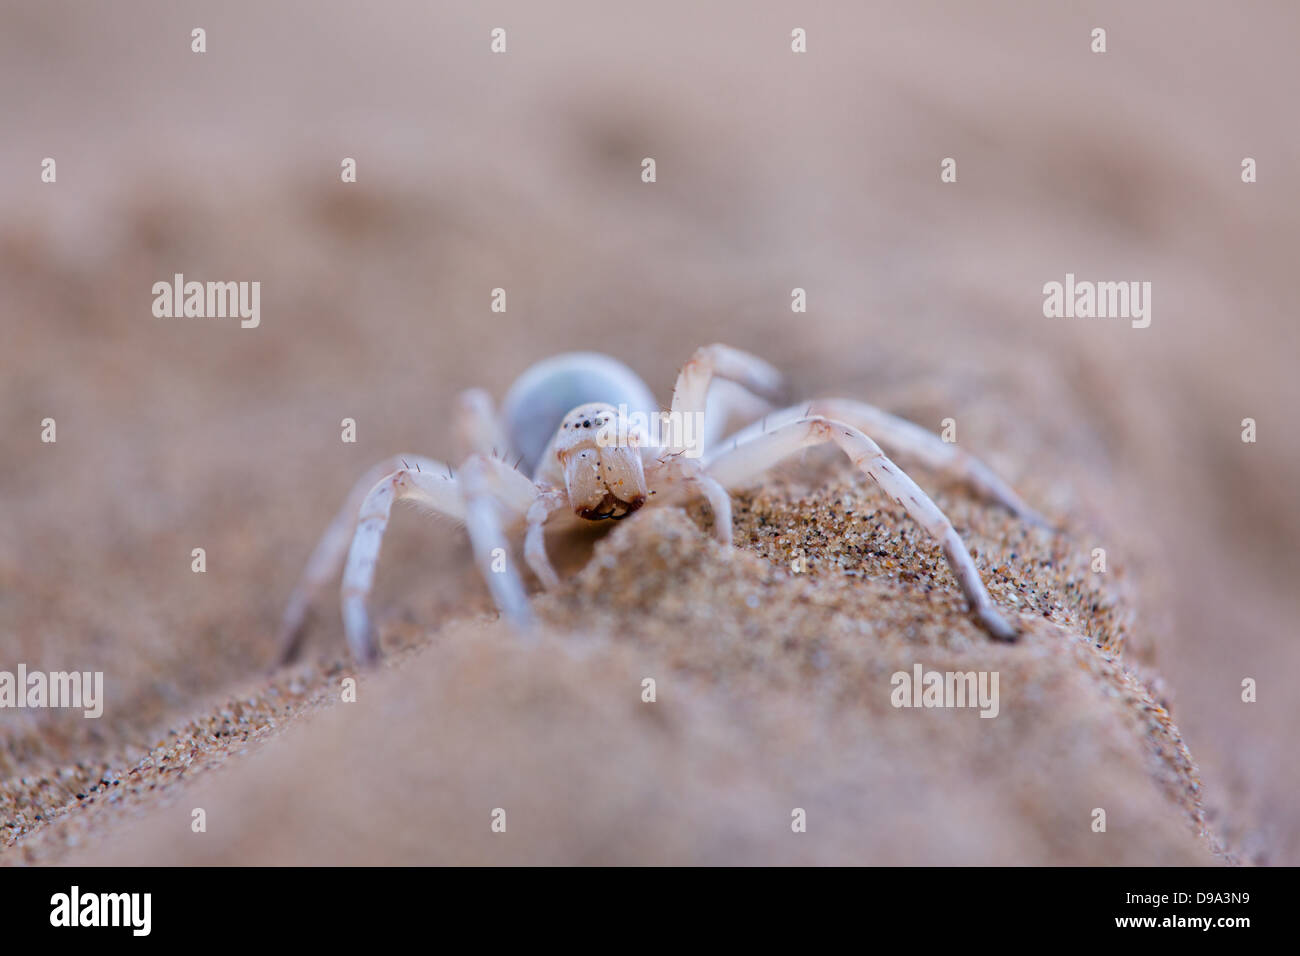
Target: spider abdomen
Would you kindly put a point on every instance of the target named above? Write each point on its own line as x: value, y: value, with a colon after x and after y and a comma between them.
x: 537, y: 403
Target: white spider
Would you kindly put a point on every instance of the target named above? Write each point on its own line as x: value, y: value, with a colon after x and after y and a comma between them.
x: 601, y: 463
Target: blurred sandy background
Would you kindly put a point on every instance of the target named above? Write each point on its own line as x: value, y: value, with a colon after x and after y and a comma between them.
x: 775, y: 170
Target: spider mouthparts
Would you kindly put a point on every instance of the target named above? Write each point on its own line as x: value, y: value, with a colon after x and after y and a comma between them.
x: 611, y: 507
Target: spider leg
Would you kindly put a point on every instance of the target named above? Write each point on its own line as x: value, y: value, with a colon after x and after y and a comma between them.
x: 691, y: 392
x: 748, y: 459
x: 478, y: 430
x: 546, y: 504
x: 902, y: 436
x: 327, y: 559
x: 475, y: 496
x: 481, y: 487
x: 727, y: 407
x: 683, y: 471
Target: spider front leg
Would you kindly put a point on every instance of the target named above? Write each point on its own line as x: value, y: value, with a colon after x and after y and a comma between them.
x: 748, y: 459
x: 899, y: 435
x: 691, y: 391
x: 488, y: 487
x: 546, y: 504
x: 476, y: 496
x: 689, y: 474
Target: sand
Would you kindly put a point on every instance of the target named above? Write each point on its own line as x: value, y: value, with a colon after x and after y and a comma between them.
x: 772, y: 692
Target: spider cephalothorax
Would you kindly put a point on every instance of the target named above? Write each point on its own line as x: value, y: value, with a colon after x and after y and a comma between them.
x: 603, y: 479
x: 578, y: 424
